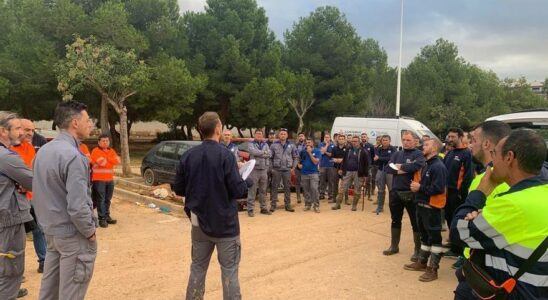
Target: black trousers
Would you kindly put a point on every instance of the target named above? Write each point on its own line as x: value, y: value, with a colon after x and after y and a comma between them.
x: 396, y: 211
x: 429, y: 222
x: 454, y: 200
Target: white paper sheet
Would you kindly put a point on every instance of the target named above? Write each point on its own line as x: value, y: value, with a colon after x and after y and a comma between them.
x: 393, y: 166
x: 246, y: 169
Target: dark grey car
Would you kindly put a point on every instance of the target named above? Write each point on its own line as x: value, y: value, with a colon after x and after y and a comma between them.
x: 160, y: 163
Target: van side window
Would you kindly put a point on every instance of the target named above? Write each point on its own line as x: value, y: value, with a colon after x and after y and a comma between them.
x: 167, y: 151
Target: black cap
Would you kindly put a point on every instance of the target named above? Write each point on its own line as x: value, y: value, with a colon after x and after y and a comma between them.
x: 271, y: 132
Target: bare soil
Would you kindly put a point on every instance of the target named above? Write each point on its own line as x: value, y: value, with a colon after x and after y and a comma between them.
x: 300, y: 255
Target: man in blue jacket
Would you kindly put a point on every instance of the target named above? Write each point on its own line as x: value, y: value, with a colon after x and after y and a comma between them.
x: 208, y: 178
x: 460, y: 174
x: 384, y: 178
x: 407, y: 162
x: 430, y: 195
x: 308, y: 162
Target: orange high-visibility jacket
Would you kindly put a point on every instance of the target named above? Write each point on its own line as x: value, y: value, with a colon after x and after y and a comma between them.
x: 85, y: 150
x: 26, y: 152
x: 103, y: 162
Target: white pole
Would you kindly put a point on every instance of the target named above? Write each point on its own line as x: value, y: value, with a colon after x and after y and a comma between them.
x: 399, y: 64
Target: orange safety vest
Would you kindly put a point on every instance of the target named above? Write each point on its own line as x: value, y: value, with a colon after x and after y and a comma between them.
x: 437, y: 201
x: 85, y: 150
x: 26, y: 152
x: 103, y: 162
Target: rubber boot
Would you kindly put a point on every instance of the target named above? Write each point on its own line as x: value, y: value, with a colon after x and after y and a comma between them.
x: 395, y: 234
x: 420, y: 264
x: 355, y: 201
x: 417, y: 240
x: 431, y: 273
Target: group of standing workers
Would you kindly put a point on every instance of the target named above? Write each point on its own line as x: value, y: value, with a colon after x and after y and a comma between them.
x: 435, y: 184
x: 496, y: 212
x: 47, y: 188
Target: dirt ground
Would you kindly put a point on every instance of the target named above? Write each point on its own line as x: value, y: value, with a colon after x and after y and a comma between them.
x: 301, y: 255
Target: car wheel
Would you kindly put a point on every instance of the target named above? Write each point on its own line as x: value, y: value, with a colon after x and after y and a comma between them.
x: 150, y: 177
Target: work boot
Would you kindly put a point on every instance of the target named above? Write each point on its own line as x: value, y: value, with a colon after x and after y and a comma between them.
x: 395, y: 234
x: 103, y: 223
x: 355, y: 201
x: 432, y: 270
x: 415, y: 266
x: 338, y: 202
x: 250, y: 214
x: 111, y: 220
x: 420, y: 264
x: 272, y: 209
x: 22, y: 293
x: 429, y: 275
x: 289, y: 209
x: 265, y: 211
x: 417, y: 240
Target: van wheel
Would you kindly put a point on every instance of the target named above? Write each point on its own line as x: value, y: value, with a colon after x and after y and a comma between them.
x: 150, y: 177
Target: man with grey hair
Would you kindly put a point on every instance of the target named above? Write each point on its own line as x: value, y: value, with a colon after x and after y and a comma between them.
x: 62, y: 202
x: 15, y: 179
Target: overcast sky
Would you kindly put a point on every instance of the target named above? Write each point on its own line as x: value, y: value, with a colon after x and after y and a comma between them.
x: 509, y: 37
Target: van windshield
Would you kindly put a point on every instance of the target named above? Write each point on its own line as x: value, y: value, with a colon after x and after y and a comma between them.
x: 423, y: 132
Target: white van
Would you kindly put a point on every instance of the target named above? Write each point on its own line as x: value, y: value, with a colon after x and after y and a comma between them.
x: 534, y: 119
x: 380, y: 126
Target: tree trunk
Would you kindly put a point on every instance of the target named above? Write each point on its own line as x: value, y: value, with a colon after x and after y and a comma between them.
x: 189, y: 132
x: 183, y: 132
x: 114, y: 135
x: 251, y: 133
x: 240, y: 132
x: 124, y: 143
x: 103, y: 122
x: 301, y: 124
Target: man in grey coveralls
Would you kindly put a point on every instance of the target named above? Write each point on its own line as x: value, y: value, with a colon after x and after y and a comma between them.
x: 15, y: 177
x: 260, y: 152
x: 284, y: 162
x: 62, y: 203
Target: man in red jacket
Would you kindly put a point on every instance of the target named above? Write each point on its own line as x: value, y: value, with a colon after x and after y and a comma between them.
x: 103, y: 160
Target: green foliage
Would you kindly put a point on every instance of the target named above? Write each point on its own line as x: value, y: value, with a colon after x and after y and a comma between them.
x: 104, y: 68
x: 110, y: 24
x: 259, y: 104
x: 343, y: 65
x: 442, y: 90
x: 226, y: 59
x: 170, y: 92
x: 4, y: 87
x: 26, y: 62
x: 231, y: 44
